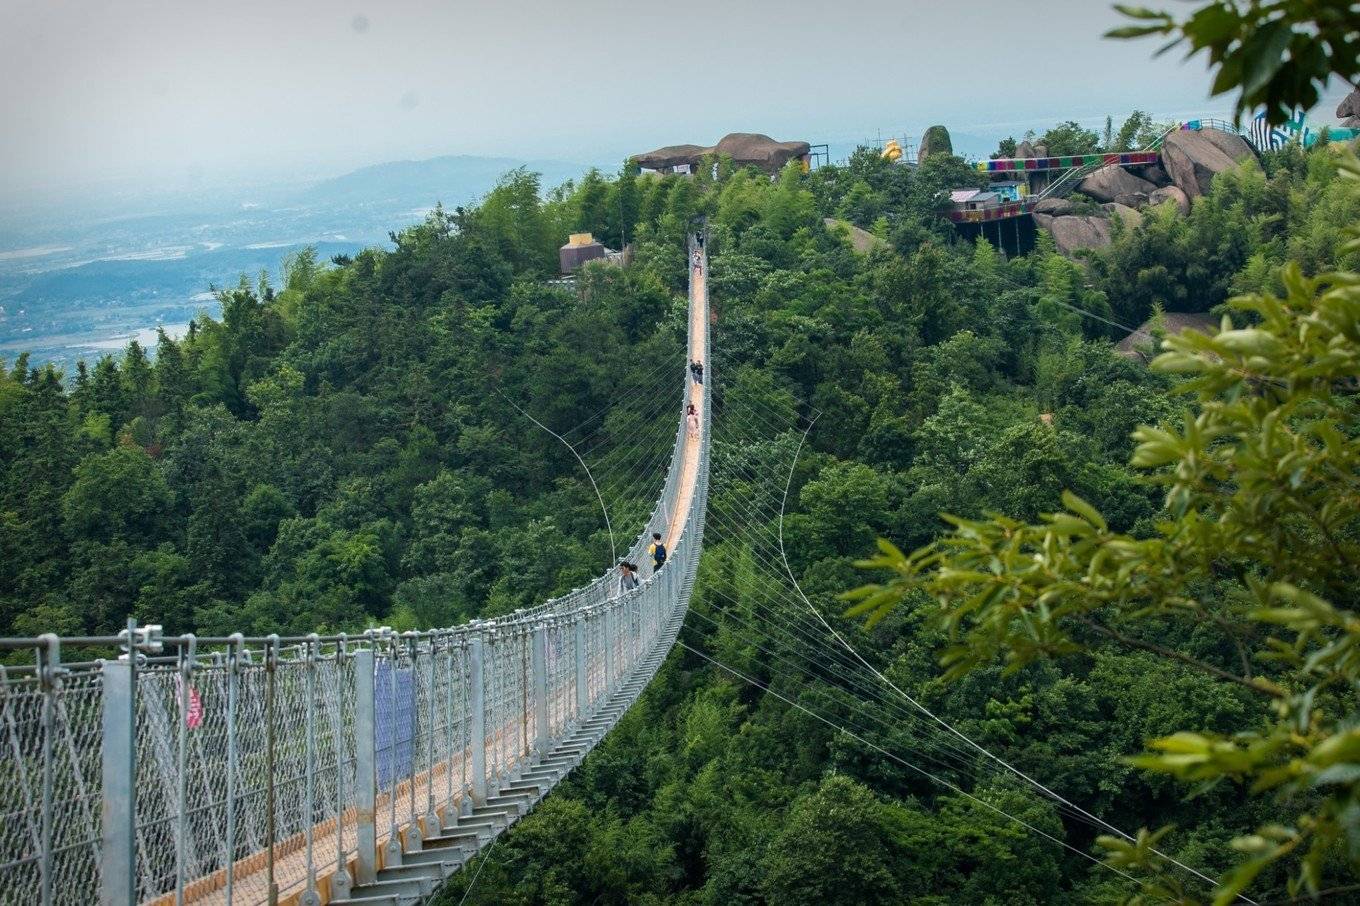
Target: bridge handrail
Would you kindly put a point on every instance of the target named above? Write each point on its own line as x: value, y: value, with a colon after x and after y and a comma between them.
x: 1065, y: 184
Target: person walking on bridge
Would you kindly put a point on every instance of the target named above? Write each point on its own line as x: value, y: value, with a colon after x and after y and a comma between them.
x: 628, y: 579
x: 696, y: 368
x: 658, y: 551
x: 692, y: 421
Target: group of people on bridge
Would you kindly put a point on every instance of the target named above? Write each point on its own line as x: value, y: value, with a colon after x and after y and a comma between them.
x: 628, y: 571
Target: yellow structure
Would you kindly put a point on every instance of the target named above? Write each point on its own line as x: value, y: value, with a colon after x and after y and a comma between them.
x: 892, y: 150
x: 580, y: 248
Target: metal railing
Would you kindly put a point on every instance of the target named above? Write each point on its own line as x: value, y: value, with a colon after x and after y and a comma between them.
x: 1068, y: 182
x: 181, y: 769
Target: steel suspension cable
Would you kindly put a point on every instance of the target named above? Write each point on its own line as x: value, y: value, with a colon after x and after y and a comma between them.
x: 942, y: 782
x: 945, y: 724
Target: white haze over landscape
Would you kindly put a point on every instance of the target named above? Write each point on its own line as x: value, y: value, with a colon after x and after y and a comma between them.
x: 154, y: 149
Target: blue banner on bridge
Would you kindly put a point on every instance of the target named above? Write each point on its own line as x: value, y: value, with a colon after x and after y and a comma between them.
x: 394, y: 700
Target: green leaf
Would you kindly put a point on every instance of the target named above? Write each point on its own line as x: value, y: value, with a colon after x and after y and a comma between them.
x: 1141, y: 12
x: 1084, y: 509
x: 1135, y: 31
x: 1263, y: 55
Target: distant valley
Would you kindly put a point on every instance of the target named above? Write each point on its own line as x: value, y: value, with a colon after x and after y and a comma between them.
x: 75, y: 283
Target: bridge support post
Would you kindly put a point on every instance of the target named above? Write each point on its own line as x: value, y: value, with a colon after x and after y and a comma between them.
x: 477, y: 707
x: 539, y: 655
x: 582, y: 676
x: 609, y: 666
x: 365, y: 768
x: 118, y: 816
x: 635, y: 615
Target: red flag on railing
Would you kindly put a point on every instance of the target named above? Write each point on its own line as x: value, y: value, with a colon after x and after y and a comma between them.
x: 193, y: 718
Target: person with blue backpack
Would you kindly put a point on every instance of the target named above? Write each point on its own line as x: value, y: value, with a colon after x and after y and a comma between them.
x: 658, y: 552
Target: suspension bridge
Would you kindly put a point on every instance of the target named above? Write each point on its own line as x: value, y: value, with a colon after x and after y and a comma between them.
x: 370, y: 768
x: 337, y: 769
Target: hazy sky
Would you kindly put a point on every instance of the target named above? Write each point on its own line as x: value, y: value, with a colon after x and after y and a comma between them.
x: 92, y: 90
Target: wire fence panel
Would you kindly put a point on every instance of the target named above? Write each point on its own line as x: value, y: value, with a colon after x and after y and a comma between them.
x: 77, y: 715
x: 49, y: 785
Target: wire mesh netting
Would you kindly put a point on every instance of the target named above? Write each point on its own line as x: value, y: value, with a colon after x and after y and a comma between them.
x: 50, y: 786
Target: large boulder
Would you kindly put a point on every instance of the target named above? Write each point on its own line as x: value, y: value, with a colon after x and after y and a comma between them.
x: 1348, y: 111
x: 745, y: 149
x: 935, y: 141
x: 1055, y: 207
x: 671, y: 156
x: 1171, y: 194
x: 1129, y: 215
x: 1194, y: 158
x: 1132, y: 199
x: 1108, y: 183
x: 1156, y: 175
x: 860, y: 240
x: 1074, y: 232
x: 1235, y: 146
x: 748, y: 148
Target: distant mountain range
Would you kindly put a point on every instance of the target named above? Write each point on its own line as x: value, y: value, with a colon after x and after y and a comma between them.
x: 453, y: 180
x: 74, y: 279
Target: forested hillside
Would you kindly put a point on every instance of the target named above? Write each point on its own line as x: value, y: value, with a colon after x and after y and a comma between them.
x: 336, y: 453
x: 947, y: 380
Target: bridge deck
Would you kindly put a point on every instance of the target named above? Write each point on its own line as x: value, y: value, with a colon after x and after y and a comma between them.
x: 690, y: 452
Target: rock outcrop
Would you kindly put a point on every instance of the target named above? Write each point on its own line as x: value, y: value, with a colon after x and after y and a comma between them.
x: 1194, y: 158
x: 1109, y: 183
x: 1124, y: 212
x: 1235, y: 146
x: 1156, y: 175
x: 1055, y: 207
x: 745, y: 149
x: 671, y: 156
x: 1074, y: 232
x: 862, y: 241
x: 1171, y: 194
x: 935, y: 141
x: 1348, y: 111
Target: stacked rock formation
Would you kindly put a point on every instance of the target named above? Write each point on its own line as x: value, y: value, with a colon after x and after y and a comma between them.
x: 1348, y: 111
x: 1190, y: 161
x: 935, y: 141
x: 744, y: 148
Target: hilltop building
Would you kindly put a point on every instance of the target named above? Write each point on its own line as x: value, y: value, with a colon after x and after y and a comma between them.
x: 972, y: 199
x: 580, y: 248
x: 1010, y: 190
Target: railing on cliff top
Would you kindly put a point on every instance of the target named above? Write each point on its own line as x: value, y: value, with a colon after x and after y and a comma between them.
x: 259, y: 770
